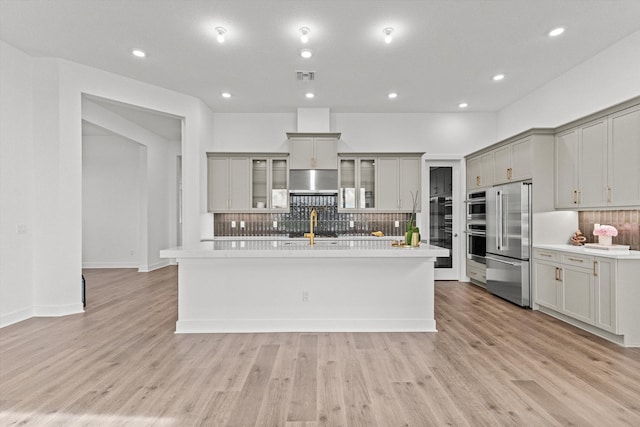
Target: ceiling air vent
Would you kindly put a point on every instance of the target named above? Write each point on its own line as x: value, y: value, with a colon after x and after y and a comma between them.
x: 305, y: 75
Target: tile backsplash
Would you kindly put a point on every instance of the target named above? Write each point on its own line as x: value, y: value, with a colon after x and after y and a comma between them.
x: 626, y: 221
x: 330, y: 221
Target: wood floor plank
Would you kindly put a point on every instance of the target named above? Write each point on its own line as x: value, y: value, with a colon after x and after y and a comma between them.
x: 303, y: 405
x: 331, y: 411
x: 491, y: 363
x: 247, y: 406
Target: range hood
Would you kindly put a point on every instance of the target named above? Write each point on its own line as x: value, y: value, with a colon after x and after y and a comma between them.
x: 314, y: 181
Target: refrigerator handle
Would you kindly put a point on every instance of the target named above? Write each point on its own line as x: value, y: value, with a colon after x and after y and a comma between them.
x: 498, y: 219
x: 504, y: 216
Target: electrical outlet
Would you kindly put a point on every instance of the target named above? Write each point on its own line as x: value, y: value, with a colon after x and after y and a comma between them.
x: 351, y: 224
x: 275, y: 224
x: 21, y: 228
x: 396, y: 224
x: 241, y: 224
x: 233, y: 224
x: 305, y: 296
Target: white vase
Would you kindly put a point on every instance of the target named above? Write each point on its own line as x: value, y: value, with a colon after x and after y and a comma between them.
x: 604, y: 240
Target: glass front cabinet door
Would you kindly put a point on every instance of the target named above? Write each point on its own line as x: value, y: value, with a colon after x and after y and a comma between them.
x: 269, y: 184
x: 357, y: 189
x: 367, y: 188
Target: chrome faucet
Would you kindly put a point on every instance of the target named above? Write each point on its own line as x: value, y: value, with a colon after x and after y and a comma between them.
x: 313, y: 222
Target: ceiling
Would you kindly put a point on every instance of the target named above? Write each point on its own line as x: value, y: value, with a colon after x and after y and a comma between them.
x: 444, y: 51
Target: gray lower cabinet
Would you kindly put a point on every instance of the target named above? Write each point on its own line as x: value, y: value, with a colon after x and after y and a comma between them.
x: 577, y: 290
x: 228, y: 184
x: 582, y: 287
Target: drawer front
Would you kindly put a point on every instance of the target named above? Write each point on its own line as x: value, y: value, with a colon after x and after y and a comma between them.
x: 546, y: 255
x: 584, y: 261
x: 477, y: 274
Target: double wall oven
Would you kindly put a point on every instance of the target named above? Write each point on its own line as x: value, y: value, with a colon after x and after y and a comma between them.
x: 476, y: 205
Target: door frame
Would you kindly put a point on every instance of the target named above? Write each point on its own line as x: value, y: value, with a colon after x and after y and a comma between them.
x: 458, y: 181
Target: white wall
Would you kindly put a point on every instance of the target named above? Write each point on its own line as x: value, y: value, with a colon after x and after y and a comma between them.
x: 52, y: 121
x: 437, y: 134
x: 155, y: 196
x: 17, y: 201
x: 611, y: 77
x: 110, y: 209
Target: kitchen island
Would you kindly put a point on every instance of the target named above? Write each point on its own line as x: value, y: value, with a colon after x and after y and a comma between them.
x: 278, y: 285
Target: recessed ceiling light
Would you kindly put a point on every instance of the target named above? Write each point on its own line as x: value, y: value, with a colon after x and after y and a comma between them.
x: 306, y: 53
x: 392, y: 95
x: 304, y: 34
x: 463, y: 105
x: 226, y: 95
x: 309, y: 95
x: 138, y: 52
x: 387, y: 35
x: 556, y: 32
x: 498, y: 77
x: 220, y: 31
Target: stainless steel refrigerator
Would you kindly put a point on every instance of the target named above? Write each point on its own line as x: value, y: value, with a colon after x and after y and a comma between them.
x: 509, y: 242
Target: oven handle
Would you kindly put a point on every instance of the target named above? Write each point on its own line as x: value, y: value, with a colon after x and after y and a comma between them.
x: 515, y: 264
x: 475, y: 233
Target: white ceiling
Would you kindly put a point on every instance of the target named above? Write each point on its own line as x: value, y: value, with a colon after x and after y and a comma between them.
x: 444, y: 51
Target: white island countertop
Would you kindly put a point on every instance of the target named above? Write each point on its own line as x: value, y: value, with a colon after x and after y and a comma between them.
x: 581, y: 250
x: 300, y: 248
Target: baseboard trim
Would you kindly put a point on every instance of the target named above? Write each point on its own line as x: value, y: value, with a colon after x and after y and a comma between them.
x: 57, y: 310
x: 15, y: 317
x: 617, y: 339
x: 109, y: 264
x: 304, y: 325
x: 156, y: 266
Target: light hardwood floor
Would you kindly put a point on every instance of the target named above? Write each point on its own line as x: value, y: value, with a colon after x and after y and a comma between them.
x: 491, y: 363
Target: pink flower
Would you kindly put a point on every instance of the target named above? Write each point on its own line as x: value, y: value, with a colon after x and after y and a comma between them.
x: 605, y: 230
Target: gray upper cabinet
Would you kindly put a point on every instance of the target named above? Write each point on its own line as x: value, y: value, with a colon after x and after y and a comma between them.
x: 269, y: 183
x: 581, y: 166
x: 313, y: 152
x: 398, y: 177
x: 480, y: 171
x: 596, y: 163
x: 410, y: 182
x: 228, y: 183
x: 357, y: 183
x: 624, y: 158
x: 512, y: 162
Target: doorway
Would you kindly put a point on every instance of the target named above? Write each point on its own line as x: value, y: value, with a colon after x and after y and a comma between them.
x: 443, y: 183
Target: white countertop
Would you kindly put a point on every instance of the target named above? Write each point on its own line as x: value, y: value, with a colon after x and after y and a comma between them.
x: 300, y: 248
x: 588, y: 251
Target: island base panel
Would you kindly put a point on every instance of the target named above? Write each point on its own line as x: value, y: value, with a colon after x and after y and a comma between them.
x: 305, y: 294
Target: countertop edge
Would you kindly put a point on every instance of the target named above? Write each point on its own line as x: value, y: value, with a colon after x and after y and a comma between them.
x: 630, y: 255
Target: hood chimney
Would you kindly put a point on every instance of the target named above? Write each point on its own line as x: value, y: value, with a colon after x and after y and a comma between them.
x: 314, y: 120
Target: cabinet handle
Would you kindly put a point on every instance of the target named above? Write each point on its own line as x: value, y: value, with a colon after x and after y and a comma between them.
x: 478, y: 181
x: 547, y: 255
x: 595, y: 268
x: 608, y: 194
x: 509, y: 173
x: 557, y: 275
x: 575, y: 259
